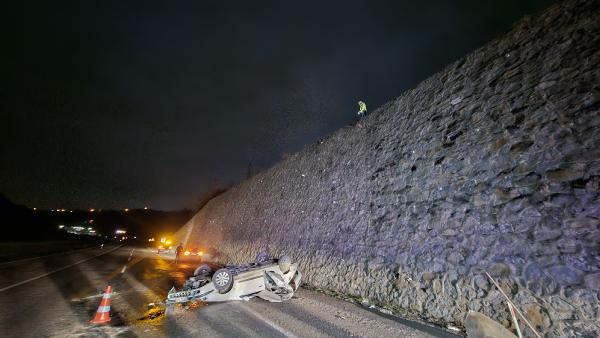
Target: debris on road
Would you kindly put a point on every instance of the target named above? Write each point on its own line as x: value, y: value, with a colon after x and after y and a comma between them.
x: 153, y: 314
x: 453, y: 328
x: 386, y: 311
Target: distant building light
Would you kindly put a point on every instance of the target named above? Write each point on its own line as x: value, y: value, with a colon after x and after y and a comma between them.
x: 119, y: 231
x: 34, y: 209
x: 91, y: 221
x: 92, y: 231
x: 61, y: 226
x: 126, y: 210
x: 89, y: 228
x: 92, y: 210
x: 145, y: 208
x: 134, y: 237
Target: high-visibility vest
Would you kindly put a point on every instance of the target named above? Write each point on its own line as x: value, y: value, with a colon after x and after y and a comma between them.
x: 362, y: 107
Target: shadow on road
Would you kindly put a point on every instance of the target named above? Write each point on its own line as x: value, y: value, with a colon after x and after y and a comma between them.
x: 75, y: 287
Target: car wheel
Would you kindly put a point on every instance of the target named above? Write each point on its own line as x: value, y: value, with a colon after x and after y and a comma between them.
x: 262, y: 257
x: 223, y: 280
x: 284, y: 263
x: 202, y: 270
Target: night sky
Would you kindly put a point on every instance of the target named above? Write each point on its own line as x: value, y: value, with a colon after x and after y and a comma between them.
x: 127, y: 104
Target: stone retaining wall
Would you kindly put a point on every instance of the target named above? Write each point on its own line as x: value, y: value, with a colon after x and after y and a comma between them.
x: 492, y: 164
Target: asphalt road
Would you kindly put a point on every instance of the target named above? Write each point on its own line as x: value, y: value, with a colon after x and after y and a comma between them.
x: 56, y: 296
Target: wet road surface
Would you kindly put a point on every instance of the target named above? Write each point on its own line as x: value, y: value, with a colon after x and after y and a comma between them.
x: 57, y: 295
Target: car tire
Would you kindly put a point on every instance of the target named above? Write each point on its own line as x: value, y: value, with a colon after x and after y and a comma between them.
x: 222, y: 280
x: 202, y: 270
x: 262, y: 257
x: 284, y: 262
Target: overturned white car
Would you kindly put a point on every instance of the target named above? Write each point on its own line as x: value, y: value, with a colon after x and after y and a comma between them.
x: 269, y: 279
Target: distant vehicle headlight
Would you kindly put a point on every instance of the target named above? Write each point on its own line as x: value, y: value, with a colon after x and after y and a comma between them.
x: 187, y: 253
x: 199, y: 253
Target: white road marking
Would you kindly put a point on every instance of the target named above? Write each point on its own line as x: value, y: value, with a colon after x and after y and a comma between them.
x: 268, y: 322
x: 57, y: 270
x: 130, y: 255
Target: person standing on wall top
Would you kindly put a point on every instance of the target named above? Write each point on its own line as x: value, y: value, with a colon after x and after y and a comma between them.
x: 362, y: 109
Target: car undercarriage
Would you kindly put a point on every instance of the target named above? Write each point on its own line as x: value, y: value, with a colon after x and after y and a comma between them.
x: 274, y: 280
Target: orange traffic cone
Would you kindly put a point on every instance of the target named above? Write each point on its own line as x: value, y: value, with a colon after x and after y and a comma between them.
x: 103, y: 313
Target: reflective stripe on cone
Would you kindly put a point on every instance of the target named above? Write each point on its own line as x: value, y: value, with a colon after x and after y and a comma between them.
x: 103, y: 313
